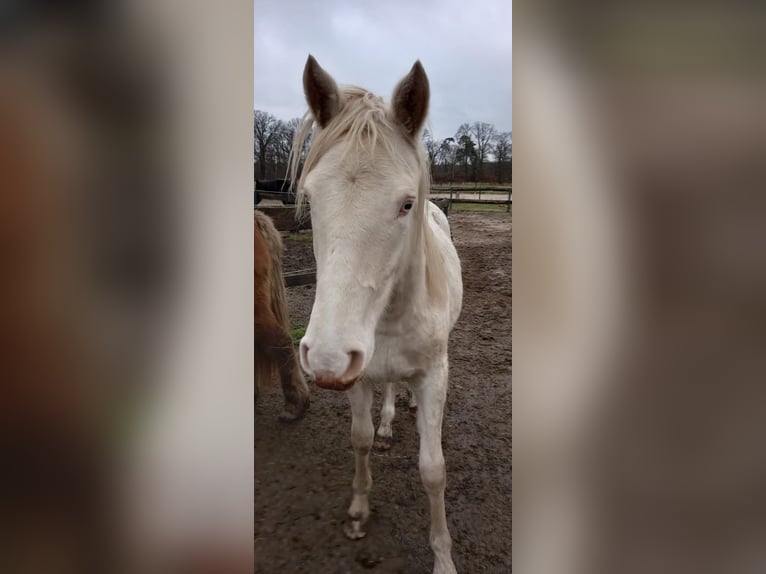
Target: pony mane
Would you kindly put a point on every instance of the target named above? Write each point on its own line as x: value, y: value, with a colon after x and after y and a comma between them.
x: 363, y: 121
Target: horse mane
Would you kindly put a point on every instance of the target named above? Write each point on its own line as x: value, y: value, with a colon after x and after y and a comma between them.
x: 363, y: 121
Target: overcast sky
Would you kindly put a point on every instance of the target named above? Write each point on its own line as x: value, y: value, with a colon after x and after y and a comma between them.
x: 465, y: 47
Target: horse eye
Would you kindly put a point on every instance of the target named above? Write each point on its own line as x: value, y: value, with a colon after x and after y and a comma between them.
x: 406, y: 207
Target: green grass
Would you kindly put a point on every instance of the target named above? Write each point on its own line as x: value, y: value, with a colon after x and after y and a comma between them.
x: 298, y: 236
x: 479, y: 207
x: 297, y: 333
x: 468, y: 190
x: 468, y: 186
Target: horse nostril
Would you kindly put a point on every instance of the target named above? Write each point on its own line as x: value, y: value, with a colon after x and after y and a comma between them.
x: 356, y: 361
x: 331, y: 364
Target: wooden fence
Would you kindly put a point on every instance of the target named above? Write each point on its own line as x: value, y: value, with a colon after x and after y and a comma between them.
x: 302, y: 277
x: 284, y: 217
x: 285, y: 220
x: 454, y: 195
x: 288, y: 198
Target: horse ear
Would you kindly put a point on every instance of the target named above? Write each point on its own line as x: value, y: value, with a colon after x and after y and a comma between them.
x: 321, y: 91
x: 410, y: 100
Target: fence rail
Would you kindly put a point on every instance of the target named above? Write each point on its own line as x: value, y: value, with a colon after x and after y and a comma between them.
x: 284, y: 217
x: 480, y: 201
x: 285, y: 220
x: 468, y: 189
x: 298, y: 278
x: 454, y: 196
x: 288, y: 199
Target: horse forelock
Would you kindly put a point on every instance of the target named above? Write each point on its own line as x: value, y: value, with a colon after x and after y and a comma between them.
x: 363, y: 123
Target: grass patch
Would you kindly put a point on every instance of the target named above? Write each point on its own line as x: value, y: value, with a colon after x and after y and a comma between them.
x: 298, y: 236
x: 479, y: 207
x: 297, y: 333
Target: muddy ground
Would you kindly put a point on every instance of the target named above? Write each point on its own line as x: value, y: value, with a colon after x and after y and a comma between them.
x: 303, y: 470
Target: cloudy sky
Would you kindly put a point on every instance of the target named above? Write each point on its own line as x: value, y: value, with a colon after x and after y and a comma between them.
x: 465, y: 47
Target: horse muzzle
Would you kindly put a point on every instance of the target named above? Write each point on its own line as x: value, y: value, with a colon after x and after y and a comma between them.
x: 334, y: 384
x: 332, y: 369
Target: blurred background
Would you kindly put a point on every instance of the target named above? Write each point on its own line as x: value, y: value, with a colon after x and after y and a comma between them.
x: 125, y: 144
x: 126, y: 287
x: 639, y: 335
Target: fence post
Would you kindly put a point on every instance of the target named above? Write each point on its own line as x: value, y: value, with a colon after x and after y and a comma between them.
x: 508, y: 209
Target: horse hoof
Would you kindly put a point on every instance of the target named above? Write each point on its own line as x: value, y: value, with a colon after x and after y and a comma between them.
x: 382, y: 443
x: 288, y: 417
x: 293, y: 412
x: 353, y: 530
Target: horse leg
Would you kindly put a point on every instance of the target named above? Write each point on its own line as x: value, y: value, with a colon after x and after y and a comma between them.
x: 387, y: 412
x: 431, y: 392
x: 413, y: 403
x: 294, y: 387
x: 362, y: 434
x: 276, y: 343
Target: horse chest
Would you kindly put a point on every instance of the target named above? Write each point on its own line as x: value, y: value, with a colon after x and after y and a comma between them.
x: 395, y: 359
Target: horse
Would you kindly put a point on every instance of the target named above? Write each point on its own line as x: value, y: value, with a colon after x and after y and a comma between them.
x: 273, y: 343
x: 389, y: 287
x: 384, y: 434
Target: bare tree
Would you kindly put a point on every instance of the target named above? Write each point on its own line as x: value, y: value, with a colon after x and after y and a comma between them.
x: 447, y: 156
x: 432, y: 149
x: 470, y: 149
x: 484, y: 134
x: 265, y: 127
x: 466, y: 151
x: 502, y: 152
x: 273, y: 142
x: 281, y: 145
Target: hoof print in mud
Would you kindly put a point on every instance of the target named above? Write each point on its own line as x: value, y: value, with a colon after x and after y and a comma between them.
x: 368, y: 561
x: 382, y: 443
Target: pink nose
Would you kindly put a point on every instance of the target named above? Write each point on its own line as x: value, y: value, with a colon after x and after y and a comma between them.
x: 331, y: 368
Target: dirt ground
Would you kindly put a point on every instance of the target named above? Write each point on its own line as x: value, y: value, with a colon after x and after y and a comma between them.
x: 303, y: 470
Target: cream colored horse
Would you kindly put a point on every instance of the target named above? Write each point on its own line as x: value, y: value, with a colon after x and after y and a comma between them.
x: 387, y: 413
x: 389, y: 289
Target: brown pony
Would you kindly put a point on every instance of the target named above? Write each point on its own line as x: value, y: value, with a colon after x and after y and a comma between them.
x: 273, y: 344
